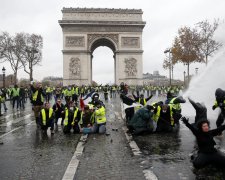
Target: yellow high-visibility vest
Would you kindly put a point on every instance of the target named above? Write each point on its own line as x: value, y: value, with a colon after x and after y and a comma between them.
x: 66, y: 116
x: 100, y: 115
x: 74, y: 115
x: 156, y: 115
x: 48, y: 90
x: 44, y: 115
x: 139, y: 101
x: 175, y: 106
x: 15, y: 92
x: 35, y: 96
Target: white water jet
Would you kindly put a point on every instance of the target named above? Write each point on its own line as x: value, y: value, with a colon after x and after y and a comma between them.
x: 202, y: 87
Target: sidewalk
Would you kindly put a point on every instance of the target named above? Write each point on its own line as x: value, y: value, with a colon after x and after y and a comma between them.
x: 109, y: 157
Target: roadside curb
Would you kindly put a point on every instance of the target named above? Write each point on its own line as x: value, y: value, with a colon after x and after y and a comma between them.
x: 149, y: 175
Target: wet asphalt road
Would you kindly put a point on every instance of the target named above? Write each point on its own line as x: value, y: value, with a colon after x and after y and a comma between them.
x: 26, y: 154
x: 168, y: 154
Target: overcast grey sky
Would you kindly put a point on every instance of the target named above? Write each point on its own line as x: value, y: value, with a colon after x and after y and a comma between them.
x: 163, y: 18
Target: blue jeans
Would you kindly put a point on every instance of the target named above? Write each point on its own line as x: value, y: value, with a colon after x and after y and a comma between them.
x: 99, y: 128
x: 17, y: 101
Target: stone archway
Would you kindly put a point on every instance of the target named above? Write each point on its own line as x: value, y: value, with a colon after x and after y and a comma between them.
x: 86, y: 29
x: 103, y: 40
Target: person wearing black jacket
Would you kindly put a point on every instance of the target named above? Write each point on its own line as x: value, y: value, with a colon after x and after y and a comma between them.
x: 207, y: 153
x: 201, y: 111
x: 141, y: 100
x: 3, y: 93
x: 129, y: 111
x: 37, y: 100
x: 22, y: 97
x: 220, y: 102
x: 58, y: 108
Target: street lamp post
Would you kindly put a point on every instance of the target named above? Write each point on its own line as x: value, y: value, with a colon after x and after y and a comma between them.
x: 3, y: 72
x: 170, y: 64
x: 184, y: 78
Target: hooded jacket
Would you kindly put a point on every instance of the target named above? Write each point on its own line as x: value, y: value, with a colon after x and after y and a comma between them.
x: 201, y: 111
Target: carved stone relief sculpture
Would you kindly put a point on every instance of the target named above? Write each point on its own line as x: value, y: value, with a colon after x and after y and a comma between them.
x: 74, y: 68
x: 75, y: 41
x: 130, y: 67
x: 132, y: 42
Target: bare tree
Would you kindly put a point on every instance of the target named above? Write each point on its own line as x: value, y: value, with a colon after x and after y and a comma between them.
x: 11, y: 51
x: 32, y: 53
x: 22, y: 50
x: 5, y: 43
x: 209, y: 44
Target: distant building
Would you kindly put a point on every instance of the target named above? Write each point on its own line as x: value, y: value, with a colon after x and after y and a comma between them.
x: 53, y: 81
x: 154, y: 79
x: 9, y: 80
x: 158, y: 80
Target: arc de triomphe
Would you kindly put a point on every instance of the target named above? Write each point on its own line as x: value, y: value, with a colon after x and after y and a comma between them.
x: 85, y: 29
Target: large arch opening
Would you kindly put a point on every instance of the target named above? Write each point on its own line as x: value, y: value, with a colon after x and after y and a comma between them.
x: 103, y: 62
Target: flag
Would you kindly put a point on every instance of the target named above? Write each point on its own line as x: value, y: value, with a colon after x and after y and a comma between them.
x: 86, y: 99
x: 82, y: 104
x: 129, y: 102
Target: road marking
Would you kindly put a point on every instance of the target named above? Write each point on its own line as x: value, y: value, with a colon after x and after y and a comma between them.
x: 14, y: 121
x: 15, y: 129
x: 10, y: 132
x: 149, y: 175
x: 134, y: 147
x: 14, y: 114
x: 74, y: 162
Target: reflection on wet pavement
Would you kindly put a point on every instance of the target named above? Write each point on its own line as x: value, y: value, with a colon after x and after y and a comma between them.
x: 168, y: 155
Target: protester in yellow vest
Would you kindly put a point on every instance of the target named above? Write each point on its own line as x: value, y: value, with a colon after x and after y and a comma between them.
x: 165, y: 121
x: 47, y: 118
x: 100, y: 119
x: 176, y: 107
x: 68, y: 94
x: 48, y: 93
x: 141, y: 100
x: 15, y: 96
x: 37, y: 100
x: 70, y: 118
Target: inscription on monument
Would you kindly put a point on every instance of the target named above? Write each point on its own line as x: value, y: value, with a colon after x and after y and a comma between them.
x: 74, y: 68
x: 132, y: 42
x: 102, y: 16
x: 75, y: 41
x: 130, y: 67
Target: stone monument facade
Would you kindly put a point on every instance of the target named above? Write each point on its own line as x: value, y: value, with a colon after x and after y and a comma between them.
x: 85, y: 29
